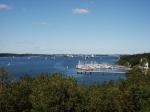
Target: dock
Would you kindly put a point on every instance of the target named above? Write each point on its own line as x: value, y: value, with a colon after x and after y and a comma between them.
x: 93, y: 67
x: 99, y: 71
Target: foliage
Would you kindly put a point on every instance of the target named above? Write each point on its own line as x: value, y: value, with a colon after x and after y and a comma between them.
x: 133, y: 59
x: 58, y: 93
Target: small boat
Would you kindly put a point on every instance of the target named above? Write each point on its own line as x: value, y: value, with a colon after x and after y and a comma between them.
x: 29, y: 58
x: 9, y: 64
x: 92, y: 55
x: 69, y: 55
x: 53, y: 57
x: 67, y: 67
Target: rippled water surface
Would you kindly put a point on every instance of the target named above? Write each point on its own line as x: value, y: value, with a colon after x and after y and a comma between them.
x: 18, y: 66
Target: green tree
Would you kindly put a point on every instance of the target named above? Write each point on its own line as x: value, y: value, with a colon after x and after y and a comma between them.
x: 56, y: 93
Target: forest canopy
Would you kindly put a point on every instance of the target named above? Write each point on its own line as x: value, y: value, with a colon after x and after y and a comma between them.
x: 133, y: 60
x: 58, y: 93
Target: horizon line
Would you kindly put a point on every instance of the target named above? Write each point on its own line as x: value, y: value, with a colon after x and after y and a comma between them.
x: 74, y: 53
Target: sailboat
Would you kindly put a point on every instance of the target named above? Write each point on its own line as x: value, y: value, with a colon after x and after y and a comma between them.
x: 9, y: 64
x: 92, y: 55
x: 29, y: 58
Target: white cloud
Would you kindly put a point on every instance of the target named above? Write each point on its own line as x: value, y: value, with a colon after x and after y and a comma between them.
x: 4, y: 6
x: 80, y: 11
x: 40, y: 23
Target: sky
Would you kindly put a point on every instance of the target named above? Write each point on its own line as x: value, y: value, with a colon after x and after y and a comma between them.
x: 75, y: 26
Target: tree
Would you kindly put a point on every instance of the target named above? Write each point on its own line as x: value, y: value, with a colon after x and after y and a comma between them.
x: 55, y: 93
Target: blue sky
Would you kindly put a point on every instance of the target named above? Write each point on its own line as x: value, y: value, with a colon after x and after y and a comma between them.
x: 75, y: 26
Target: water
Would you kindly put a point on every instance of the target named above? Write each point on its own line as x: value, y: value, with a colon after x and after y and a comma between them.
x: 19, y: 66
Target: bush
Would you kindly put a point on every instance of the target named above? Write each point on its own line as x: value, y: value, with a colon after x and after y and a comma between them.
x: 58, y: 93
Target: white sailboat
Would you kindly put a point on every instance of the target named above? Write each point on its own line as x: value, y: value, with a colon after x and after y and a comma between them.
x: 29, y: 58
x: 9, y: 64
x: 67, y: 67
x: 92, y: 55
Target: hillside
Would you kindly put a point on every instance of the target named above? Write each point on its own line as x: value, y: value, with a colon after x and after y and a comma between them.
x: 133, y: 60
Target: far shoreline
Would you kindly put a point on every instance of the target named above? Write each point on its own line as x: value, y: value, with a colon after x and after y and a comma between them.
x: 30, y: 54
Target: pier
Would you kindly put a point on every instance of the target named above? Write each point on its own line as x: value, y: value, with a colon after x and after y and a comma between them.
x: 93, y: 67
x: 99, y: 71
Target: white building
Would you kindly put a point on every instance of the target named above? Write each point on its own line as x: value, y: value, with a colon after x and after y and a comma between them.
x: 146, y: 66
